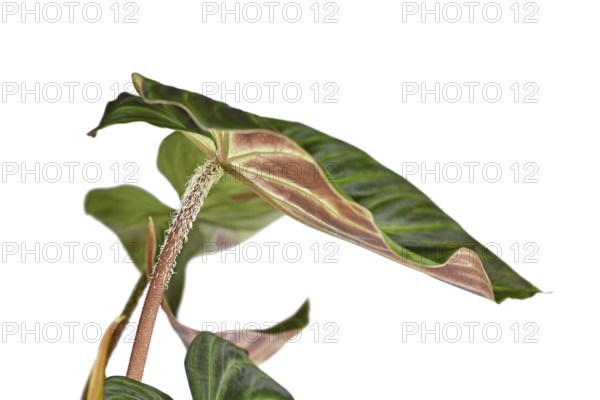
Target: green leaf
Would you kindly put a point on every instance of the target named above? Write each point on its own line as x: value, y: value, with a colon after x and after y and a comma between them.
x: 122, y: 388
x: 264, y: 343
x: 410, y: 221
x: 232, y: 214
x: 295, y: 322
x: 125, y: 210
x: 217, y: 369
x: 260, y: 344
x: 289, y: 165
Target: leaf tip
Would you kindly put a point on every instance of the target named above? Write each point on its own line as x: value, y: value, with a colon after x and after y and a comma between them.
x: 137, y: 80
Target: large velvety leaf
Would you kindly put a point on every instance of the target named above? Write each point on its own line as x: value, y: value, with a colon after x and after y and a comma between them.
x: 364, y: 203
x: 122, y: 388
x: 260, y: 344
x: 230, y: 215
x: 217, y: 369
x: 408, y: 219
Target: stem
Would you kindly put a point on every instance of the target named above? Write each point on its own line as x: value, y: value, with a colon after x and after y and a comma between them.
x: 197, y: 189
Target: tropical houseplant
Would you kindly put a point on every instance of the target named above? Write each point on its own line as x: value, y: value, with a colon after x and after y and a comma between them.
x: 246, y: 171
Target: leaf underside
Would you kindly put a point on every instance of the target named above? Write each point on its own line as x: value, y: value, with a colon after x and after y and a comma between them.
x: 260, y: 344
x: 335, y: 187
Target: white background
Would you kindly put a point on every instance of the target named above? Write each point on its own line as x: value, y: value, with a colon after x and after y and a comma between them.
x: 368, y: 55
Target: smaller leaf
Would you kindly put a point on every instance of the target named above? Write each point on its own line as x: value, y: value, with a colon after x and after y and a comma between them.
x: 217, y: 369
x: 122, y: 388
x: 260, y: 344
x: 125, y: 210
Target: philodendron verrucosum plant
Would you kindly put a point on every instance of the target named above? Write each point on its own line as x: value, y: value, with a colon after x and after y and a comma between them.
x: 239, y: 165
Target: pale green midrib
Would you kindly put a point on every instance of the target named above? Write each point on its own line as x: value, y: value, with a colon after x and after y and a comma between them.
x: 396, y: 229
x: 231, y: 368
